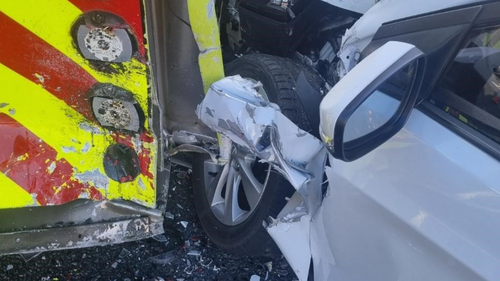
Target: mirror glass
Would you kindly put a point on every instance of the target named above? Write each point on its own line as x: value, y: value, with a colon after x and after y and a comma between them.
x: 381, y: 105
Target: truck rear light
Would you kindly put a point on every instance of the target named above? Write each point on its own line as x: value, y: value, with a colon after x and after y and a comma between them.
x: 116, y: 109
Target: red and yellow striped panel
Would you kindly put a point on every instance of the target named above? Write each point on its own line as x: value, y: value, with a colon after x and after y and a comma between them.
x: 51, y: 146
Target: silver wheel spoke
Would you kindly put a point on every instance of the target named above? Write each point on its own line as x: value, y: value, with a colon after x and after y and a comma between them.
x: 217, y: 198
x: 232, y: 209
x: 223, y: 184
x: 253, y: 188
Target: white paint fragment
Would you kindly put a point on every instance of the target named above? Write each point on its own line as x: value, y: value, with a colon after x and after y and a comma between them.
x: 169, y: 215
x: 40, y: 78
x: 86, y: 147
x: 255, y: 278
x: 141, y: 184
x: 84, y: 195
x: 90, y: 128
x: 184, y: 223
x: 94, y: 177
x: 210, y: 9
x: 68, y: 149
x: 51, y: 167
x: 10, y: 266
x: 34, y: 201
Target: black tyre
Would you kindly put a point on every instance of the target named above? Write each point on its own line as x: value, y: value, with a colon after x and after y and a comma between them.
x: 227, y: 199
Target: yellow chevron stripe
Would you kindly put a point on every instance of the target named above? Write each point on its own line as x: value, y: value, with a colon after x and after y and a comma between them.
x: 205, y: 27
x: 12, y: 195
x: 52, y: 20
x: 66, y: 130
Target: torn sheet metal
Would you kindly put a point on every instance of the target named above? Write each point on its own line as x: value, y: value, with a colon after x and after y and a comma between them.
x: 77, y: 224
x: 234, y: 108
x: 79, y: 236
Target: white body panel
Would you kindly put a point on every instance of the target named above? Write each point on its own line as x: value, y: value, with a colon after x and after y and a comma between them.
x: 423, y: 206
x: 348, y: 88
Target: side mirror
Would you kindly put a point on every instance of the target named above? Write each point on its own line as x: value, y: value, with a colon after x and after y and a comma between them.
x: 372, y: 102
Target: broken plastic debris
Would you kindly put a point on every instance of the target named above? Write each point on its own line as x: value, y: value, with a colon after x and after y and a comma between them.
x: 180, y: 206
x: 124, y: 253
x: 206, y: 262
x: 269, y: 266
x: 282, y: 272
x: 114, y: 265
x: 194, y: 253
x: 169, y: 215
x: 184, y: 223
x: 10, y: 266
x: 255, y: 278
x: 160, y: 238
x: 163, y: 258
x: 189, y: 270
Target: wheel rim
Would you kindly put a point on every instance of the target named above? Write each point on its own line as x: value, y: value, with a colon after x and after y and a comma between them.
x: 235, y: 190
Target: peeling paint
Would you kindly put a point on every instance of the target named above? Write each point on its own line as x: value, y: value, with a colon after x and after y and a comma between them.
x: 208, y: 50
x: 40, y: 78
x: 68, y: 149
x: 94, y: 177
x: 51, y: 168
x: 210, y: 9
x: 141, y: 184
x: 91, y: 128
x: 86, y: 147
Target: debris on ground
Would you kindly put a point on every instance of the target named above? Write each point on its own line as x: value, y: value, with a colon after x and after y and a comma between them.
x: 183, y: 253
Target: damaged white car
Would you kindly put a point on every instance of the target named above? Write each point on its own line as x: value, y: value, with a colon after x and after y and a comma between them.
x: 402, y: 185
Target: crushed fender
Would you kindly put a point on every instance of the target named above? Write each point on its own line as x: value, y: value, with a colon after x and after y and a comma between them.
x: 234, y: 108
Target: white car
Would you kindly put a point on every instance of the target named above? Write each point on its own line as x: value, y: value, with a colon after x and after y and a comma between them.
x: 410, y: 148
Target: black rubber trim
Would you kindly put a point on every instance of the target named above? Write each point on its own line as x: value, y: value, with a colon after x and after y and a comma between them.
x: 441, y: 19
x: 449, y: 9
x: 489, y: 13
x: 463, y: 130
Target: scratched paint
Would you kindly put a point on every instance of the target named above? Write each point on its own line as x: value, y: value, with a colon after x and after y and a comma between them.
x: 66, y: 142
x: 206, y: 34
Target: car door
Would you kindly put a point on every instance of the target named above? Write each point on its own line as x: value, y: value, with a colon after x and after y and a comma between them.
x: 425, y: 204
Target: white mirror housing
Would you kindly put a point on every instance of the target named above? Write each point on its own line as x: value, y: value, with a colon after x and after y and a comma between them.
x: 357, y: 86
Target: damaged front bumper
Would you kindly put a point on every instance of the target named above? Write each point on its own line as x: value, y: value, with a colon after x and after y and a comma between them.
x: 233, y: 108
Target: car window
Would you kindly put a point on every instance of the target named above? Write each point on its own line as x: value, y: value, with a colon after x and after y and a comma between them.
x: 470, y: 88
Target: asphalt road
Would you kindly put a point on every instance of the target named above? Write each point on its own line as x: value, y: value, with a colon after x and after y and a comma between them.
x: 183, y: 253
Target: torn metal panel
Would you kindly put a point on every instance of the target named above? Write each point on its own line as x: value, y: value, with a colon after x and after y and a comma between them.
x: 80, y: 223
x: 234, y: 108
x: 79, y: 236
x: 286, y: 234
